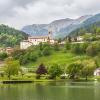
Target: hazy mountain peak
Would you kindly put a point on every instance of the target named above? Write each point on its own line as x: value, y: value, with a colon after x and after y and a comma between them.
x: 59, y: 28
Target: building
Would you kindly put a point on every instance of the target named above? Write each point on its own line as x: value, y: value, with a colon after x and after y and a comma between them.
x: 79, y: 38
x: 2, y: 50
x: 97, y: 72
x: 74, y: 39
x: 35, y: 40
x: 7, y: 50
x: 25, y: 44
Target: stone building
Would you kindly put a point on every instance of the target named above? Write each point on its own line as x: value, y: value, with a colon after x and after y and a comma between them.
x: 35, y: 40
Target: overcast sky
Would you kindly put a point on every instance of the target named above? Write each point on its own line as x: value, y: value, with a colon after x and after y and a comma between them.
x: 18, y: 13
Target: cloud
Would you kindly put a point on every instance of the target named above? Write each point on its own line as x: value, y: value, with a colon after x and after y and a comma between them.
x: 18, y: 13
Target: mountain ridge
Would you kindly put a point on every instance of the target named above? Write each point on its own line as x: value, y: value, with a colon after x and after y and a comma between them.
x: 60, y: 28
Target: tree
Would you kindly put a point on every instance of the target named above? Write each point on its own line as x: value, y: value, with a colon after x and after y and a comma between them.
x: 68, y: 45
x: 46, y: 51
x: 12, y: 67
x: 91, y: 50
x: 87, y: 37
x: 74, y: 70
x: 55, y: 70
x: 75, y: 39
x: 88, y: 68
x: 23, y: 60
x: 3, y: 56
x: 69, y: 39
x: 98, y: 31
x: 76, y: 49
x: 41, y: 46
x: 56, y: 47
x: 83, y: 47
x: 32, y: 57
x: 17, y: 53
x: 41, y: 70
x: 59, y: 40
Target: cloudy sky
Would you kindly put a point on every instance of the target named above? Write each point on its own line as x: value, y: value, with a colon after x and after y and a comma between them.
x: 18, y: 13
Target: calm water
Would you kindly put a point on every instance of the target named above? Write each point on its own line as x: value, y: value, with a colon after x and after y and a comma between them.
x: 51, y: 91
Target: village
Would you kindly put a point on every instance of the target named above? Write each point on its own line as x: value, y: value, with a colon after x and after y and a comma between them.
x: 36, y: 40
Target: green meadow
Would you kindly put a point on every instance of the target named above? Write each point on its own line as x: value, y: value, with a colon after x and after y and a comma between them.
x: 60, y: 57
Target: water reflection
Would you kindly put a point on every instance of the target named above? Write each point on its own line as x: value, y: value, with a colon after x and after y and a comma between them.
x: 51, y: 91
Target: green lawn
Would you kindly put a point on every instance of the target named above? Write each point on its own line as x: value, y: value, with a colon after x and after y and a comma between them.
x: 58, y: 57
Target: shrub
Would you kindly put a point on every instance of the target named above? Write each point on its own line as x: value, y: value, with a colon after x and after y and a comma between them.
x: 91, y: 50
x: 3, y: 56
x: 46, y: 51
x: 56, y: 47
x: 41, y: 70
x: 76, y: 49
x: 55, y: 70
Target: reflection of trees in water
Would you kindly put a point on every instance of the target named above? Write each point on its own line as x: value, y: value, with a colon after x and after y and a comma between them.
x: 50, y: 91
x: 97, y: 91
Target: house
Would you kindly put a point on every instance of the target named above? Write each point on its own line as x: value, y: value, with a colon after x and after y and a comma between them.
x: 97, y: 72
x: 9, y: 50
x: 36, y: 40
x: 25, y: 44
x: 74, y: 39
x: 2, y: 50
x: 79, y: 38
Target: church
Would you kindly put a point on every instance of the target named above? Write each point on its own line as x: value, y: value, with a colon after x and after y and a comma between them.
x: 35, y: 40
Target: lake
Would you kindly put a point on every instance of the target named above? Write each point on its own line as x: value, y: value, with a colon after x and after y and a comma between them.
x: 51, y: 91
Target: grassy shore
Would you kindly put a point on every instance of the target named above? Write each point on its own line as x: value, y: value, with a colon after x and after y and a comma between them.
x: 32, y: 80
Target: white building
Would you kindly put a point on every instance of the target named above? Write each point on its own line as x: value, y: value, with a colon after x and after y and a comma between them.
x: 25, y: 44
x: 80, y: 38
x: 35, y: 40
x: 97, y: 72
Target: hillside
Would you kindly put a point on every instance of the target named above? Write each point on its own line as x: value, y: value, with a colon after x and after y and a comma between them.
x: 87, y: 28
x: 91, y: 25
x: 58, y: 57
x: 60, y: 28
x: 10, y: 36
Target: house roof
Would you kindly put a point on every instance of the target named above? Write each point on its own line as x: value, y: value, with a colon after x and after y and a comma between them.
x: 37, y: 37
x: 26, y: 41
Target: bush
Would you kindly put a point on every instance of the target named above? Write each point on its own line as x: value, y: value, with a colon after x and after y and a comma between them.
x: 3, y: 56
x: 41, y: 70
x: 33, y: 57
x: 46, y: 51
x: 76, y: 49
x: 55, y: 70
x: 68, y: 46
x: 56, y: 47
x: 91, y: 50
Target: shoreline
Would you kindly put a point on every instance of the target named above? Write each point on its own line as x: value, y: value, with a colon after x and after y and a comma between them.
x: 34, y: 81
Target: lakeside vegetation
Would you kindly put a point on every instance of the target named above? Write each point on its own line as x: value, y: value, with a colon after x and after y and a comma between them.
x: 76, y: 61
x: 71, y: 60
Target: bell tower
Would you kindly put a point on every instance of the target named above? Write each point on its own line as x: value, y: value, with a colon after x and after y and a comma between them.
x: 49, y: 33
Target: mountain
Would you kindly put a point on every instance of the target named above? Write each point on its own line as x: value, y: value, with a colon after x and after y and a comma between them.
x: 89, y: 26
x: 10, y: 36
x: 60, y: 28
x: 92, y: 19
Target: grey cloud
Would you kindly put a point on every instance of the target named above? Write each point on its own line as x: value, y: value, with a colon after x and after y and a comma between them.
x: 22, y: 12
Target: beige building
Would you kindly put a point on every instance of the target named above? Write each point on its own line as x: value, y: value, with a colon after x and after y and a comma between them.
x: 2, y: 50
x: 25, y: 44
x: 7, y: 50
x: 35, y: 40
